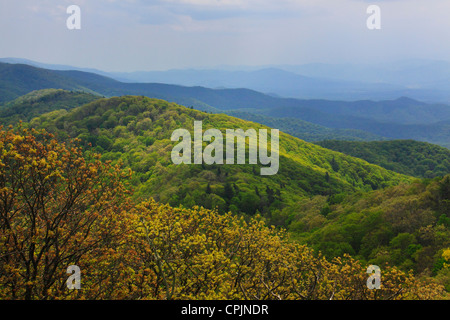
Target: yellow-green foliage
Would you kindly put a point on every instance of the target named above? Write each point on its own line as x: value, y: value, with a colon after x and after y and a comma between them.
x: 137, y: 131
x: 58, y: 208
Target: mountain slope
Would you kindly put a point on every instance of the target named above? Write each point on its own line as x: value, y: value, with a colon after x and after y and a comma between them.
x: 437, y: 133
x: 304, y: 130
x: 39, y: 102
x: 16, y: 80
x: 422, y: 80
x: 414, y: 158
x: 406, y: 225
x: 324, y: 198
x: 137, y: 131
x: 402, y: 110
x: 19, y: 79
x: 268, y: 80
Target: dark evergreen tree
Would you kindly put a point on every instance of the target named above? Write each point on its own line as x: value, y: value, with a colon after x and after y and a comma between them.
x: 228, y: 191
x: 257, y: 191
x: 270, y: 195
x: 334, y: 165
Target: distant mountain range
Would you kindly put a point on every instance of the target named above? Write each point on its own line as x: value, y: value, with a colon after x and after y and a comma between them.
x: 422, y: 80
x: 402, y: 118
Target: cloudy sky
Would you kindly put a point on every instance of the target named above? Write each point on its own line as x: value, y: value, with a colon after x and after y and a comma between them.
x: 129, y: 35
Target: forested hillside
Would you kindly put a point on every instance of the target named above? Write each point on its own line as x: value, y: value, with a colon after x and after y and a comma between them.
x: 61, y: 208
x: 352, y: 212
x: 414, y: 158
x: 406, y: 225
x: 437, y: 133
x: 304, y: 130
x: 18, y: 79
x: 43, y: 101
x: 137, y: 131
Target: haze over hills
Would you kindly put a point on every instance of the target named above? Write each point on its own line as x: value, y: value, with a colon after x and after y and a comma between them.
x: 403, y: 118
x: 272, y: 81
x: 422, y: 80
x: 406, y: 72
x: 324, y: 126
x: 305, y: 130
x: 50, y: 66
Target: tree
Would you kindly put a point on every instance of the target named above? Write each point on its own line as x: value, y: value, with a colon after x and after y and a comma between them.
x: 249, y: 203
x: 200, y: 254
x: 334, y: 165
x: 444, y: 195
x: 257, y: 191
x: 228, y: 191
x: 60, y: 207
x: 270, y: 195
x: 56, y: 209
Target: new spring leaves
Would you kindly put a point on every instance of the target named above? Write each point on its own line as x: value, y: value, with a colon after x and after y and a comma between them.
x: 74, y: 281
x: 214, y: 152
x: 373, y: 22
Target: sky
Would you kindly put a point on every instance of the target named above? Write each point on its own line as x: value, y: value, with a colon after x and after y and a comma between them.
x: 132, y: 35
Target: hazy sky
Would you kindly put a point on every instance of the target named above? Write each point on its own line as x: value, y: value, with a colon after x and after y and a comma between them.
x: 129, y: 35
